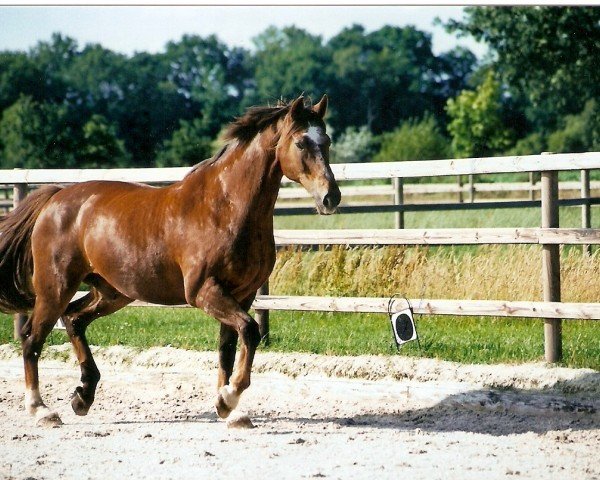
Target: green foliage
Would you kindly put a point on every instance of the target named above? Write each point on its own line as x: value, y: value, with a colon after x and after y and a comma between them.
x: 89, y: 106
x: 189, y: 145
x: 533, y: 144
x: 389, y: 75
x: 289, y: 62
x: 354, y: 145
x: 19, y: 75
x: 214, y: 77
x: 546, y: 54
x: 414, y: 140
x: 101, y: 147
x: 36, y: 135
x: 476, y: 125
x: 581, y: 132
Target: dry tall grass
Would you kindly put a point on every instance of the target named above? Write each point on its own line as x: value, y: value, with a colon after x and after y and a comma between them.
x: 479, y: 273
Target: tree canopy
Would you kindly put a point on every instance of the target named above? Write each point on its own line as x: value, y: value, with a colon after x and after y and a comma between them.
x: 66, y: 105
x: 547, y: 54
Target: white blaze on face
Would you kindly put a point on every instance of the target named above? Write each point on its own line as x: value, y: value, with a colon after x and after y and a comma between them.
x: 316, y: 134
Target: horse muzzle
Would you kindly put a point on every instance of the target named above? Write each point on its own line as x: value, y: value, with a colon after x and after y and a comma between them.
x: 328, y: 204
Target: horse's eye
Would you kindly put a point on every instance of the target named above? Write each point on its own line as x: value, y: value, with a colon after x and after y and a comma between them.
x: 300, y: 145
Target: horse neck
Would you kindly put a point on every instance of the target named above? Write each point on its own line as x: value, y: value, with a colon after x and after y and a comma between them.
x: 247, y: 175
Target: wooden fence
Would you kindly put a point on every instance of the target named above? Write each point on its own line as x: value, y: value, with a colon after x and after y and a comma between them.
x: 550, y: 236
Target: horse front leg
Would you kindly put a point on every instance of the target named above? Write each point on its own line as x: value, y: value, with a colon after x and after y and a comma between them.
x: 228, y: 338
x: 215, y: 301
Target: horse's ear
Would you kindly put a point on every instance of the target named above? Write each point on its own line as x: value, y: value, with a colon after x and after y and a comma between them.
x: 297, y: 107
x: 321, y: 108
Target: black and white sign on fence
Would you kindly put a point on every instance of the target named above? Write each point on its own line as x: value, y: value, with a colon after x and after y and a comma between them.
x: 403, y: 324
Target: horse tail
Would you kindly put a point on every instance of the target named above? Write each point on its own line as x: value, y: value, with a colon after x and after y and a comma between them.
x: 16, y: 258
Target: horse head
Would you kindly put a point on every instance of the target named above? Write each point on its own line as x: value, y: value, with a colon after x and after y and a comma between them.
x: 303, y: 153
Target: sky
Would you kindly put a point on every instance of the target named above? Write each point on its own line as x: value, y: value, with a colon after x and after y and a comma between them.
x: 130, y: 29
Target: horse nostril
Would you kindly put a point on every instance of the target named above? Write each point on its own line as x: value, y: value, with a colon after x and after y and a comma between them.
x: 332, y: 199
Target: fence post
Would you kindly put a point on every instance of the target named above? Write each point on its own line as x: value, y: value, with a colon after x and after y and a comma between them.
x: 262, y: 316
x: 471, y: 188
x: 460, y: 188
x: 586, y: 210
x: 399, y: 200
x: 19, y: 193
x: 551, y: 267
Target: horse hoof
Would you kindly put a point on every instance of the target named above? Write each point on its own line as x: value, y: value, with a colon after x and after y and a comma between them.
x: 240, y: 420
x: 50, y: 420
x: 78, y: 404
x: 223, y: 410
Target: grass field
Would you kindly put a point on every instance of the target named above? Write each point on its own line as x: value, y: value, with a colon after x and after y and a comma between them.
x: 570, y: 217
x: 468, y: 272
x: 469, y: 340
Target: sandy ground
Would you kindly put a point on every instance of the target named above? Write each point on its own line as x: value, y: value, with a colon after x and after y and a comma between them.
x: 314, y: 417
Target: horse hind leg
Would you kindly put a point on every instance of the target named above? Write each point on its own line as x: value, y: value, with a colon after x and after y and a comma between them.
x: 100, y: 301
x: 40, y: 324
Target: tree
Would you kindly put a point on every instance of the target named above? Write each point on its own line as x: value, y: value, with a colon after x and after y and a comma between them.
x: 19, y: 76
x: 414, y: 140
x: 354, y: 145
x: 288, y: 62
x: 580, y: 133
x: 390, y: 75
x: 188, y: 145
x: 54, y: 59
x: 476, y: 124
x: 533, y: 144
x: 101, y: 148
x: 96, y: 79
x: 547, y: 54
x: 150, y: 109
x: 36, y: 135
x: 211, y: 76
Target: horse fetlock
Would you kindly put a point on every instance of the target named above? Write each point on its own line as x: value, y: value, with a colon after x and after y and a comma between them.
x: 90, y: 375
x: 33, y: 402
x: 227, y: 399
x: 31, y: 409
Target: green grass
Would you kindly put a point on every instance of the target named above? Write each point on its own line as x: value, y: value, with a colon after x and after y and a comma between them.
x: 570, y: 217
x: 468, y: 340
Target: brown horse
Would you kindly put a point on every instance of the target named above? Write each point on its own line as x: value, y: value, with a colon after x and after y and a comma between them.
x: 206, y: 241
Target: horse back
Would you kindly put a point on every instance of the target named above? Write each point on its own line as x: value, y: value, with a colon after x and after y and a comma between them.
x: 117, y: 230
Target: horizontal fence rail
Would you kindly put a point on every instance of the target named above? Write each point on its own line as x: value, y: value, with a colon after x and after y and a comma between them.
x: 467, y: 166
x: 441, y: 236
x: 298, y: 193
x: 493, y: 308
x: 428, y: 207
x: 347, y: 171
x: 484, y: 308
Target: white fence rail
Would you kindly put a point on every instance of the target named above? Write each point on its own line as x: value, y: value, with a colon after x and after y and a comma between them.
x: 347, y: 171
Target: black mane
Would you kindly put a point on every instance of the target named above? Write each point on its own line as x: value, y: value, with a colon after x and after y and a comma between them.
x: 256, y: 119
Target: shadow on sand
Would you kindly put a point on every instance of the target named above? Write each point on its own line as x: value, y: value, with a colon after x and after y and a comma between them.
x: 570, y: 405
